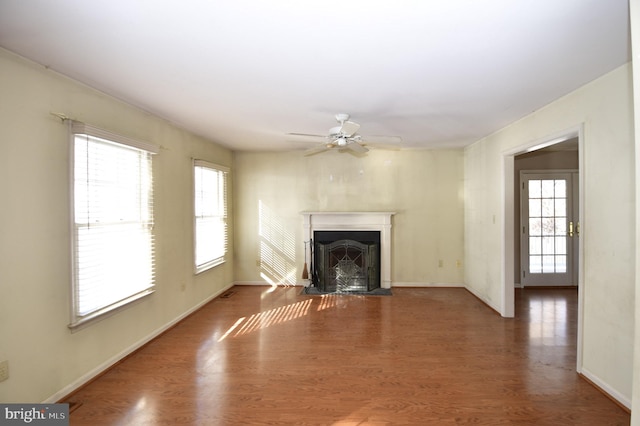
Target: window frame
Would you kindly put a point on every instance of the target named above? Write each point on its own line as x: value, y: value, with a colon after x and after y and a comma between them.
x: 224, y: 172
x: 93, y: 134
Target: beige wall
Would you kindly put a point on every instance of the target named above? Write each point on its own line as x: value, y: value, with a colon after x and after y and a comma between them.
x: 45, y: 358
x: 604, y: 108
x: 423, y: 187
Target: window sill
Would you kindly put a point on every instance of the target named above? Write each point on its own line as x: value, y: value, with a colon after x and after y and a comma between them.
x: 210, y: 265
x: 79, y: 323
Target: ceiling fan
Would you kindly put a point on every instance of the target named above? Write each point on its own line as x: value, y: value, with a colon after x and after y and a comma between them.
x: 343, y: 137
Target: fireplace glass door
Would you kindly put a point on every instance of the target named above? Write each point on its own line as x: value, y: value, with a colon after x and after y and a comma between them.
x: 347, y: 265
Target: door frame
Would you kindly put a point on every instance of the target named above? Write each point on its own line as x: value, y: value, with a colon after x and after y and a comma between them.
x: 508, y: 224
x: 572, y: 247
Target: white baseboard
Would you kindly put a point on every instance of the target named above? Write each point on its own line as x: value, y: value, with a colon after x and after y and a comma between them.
x: 84, y: 379
x: 418, y: 284
x: 393, y: 284
x: 622, y: 399
x: 484, y: 300
x: 263, y: 283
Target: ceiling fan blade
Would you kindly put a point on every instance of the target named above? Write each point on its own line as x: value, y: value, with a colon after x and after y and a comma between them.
x: 317, y: 149
x: 348, y: 128
x: 356, y: 147
x: 307, y: 136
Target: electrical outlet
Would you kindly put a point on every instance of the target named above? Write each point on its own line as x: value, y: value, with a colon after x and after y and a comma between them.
x: 4, y: 370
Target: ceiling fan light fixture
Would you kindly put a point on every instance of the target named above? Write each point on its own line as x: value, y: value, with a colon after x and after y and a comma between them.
x: 341, y: 141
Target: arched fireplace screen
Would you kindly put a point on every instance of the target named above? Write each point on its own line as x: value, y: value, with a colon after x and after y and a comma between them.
x: 343, y: 265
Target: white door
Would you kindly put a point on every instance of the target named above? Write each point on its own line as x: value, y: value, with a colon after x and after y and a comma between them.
x: 549, y: 228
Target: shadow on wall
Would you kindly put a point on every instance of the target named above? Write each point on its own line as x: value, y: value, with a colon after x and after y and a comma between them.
x: 277, y: 248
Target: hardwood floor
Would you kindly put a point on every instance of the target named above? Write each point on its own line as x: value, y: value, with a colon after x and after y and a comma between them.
x: 428, y: 356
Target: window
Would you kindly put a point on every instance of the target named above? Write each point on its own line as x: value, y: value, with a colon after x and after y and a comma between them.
x: 113, y: 251
x: 210, y: 202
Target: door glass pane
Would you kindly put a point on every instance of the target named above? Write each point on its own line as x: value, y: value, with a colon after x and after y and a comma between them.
x: 534, y: 188
x: 548, y: 264
x: 535, y: 245
x: 547, y: 225
x: 561, y: 188
x: 535, y: 207
x: 547, y: 207
x: 560, y: 207
x: 561, y: 264
x: 547, y: 188
x: 535, y: 226
x: 535, y: 264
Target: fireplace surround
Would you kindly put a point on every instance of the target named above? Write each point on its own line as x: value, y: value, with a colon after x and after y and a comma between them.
x: 354, y: 221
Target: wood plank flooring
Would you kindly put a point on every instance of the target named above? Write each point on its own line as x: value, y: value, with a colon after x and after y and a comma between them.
x: 427, y: 356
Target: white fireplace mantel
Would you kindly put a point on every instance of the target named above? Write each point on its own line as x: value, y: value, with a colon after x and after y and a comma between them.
x: 355, y: 221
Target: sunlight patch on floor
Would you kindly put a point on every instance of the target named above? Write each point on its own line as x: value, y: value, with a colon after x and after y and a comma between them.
x: 268, y: 318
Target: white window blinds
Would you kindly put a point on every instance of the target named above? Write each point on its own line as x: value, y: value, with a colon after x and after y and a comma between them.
x: 112, y: 221
x: 210, y: 202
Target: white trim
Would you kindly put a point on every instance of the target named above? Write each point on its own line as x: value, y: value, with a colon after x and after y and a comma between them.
x: 395, y: 284
x: 508, y: 176
x: 210, y: 165
x: 267, y: 283
x: 626, y: 402
x: 508, y: 209
x: 580, y: 259
x: 101, y: 314
x: 427, y: 285
x: 489, y: 303
x: 87, y: 377
x: 72, y: 225
x: 355, y: 221
x: 198, y: 269
x: 508, y: 294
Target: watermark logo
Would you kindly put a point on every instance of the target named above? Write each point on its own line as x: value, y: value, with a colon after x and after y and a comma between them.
x: 34, y: 414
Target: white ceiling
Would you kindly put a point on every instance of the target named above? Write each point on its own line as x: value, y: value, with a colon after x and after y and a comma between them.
x: 243, y: 73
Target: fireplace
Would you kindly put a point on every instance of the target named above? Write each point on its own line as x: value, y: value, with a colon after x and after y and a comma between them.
x: 346, y: 261
x: 353, y: 222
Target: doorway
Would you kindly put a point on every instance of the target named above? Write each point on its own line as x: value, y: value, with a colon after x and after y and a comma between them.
x: 521, y: 158
x: 549, y: 227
